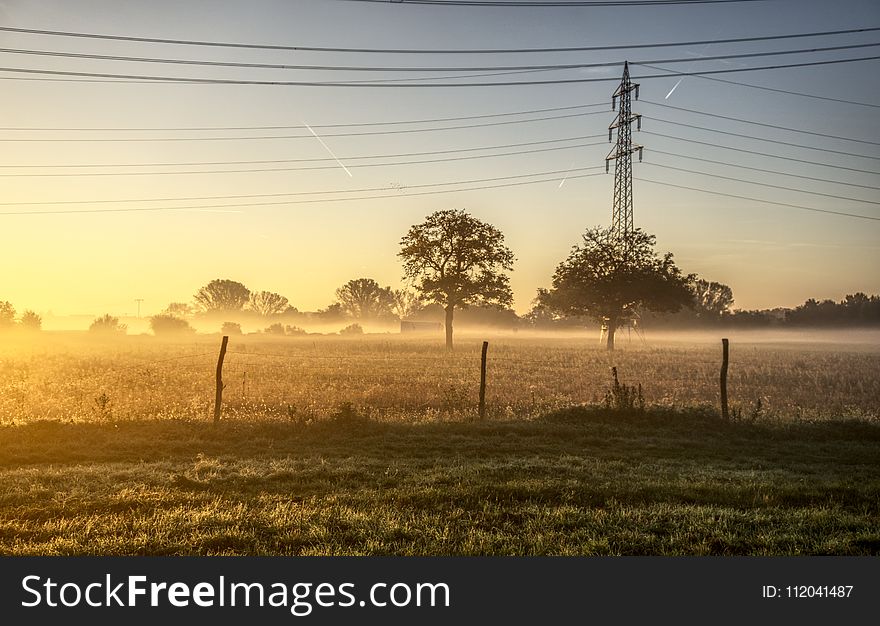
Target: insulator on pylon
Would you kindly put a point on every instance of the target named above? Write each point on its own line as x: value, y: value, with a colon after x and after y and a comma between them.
x: 639, y: 123
x: 606, y: 165
x: 609, y: 134
x: 613, y: 103
x: 640, y: 154
x: 637, y: 92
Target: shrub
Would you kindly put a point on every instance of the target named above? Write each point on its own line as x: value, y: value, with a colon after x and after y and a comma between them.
x: 31, y: 321
x: 275, y: 329
x: 107, y: 324
x: 294, y: 331
x: 352, y: 329
x: 170, y: 325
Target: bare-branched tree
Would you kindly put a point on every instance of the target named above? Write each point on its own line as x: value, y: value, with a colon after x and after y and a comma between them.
x: 267, y: 303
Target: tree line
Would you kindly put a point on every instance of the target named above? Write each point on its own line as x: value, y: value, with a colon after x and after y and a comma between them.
x: 454, y: 262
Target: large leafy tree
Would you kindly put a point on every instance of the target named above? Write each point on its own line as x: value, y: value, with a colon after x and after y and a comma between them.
x: 364, y: 298
x: 456, y: 260
x: 221, y: 295
x: 267, y: 303
x: 606, y: 278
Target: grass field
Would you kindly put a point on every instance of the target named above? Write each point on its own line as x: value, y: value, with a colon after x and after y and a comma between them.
x: 576, y: 482
x: 367, y: 446
x: 395, y: 379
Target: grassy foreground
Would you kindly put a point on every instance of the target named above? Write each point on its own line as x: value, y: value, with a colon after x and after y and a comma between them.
x: 578, y: 482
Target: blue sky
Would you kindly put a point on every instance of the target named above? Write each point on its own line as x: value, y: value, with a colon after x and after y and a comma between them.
x: 770, y: 255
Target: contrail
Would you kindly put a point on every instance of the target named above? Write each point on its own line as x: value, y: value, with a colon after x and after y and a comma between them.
x: 673, y: 88
x: 565, y: 178
x: 327, y: 148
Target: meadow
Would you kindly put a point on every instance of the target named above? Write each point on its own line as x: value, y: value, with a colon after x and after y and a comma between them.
x: 370, y: 445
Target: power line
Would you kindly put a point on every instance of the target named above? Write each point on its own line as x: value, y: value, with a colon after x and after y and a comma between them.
x: 566, y: 175
x: 552, y: 3
x: 361, y: 68
x: 260, y: 137
x: 313, y: 160
x: 351, y: 84
x: 751, y: 182
x: 775, y: 156
x: 773, y: 89
x: 744, y: 121
x: 301, y: 126
x: 763, y: 170
x: 785, y: 204
x: 776, y: 141
x: 216, y: 44
x: 301, y: 169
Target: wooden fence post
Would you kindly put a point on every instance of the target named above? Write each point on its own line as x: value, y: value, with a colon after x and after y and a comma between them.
x: 724, y: 359
x: 218, y: 397
x: 483, y: 380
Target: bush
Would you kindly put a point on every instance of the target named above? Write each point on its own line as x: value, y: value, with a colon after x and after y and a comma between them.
x: 352, y: 329
x: 31, y: 321
x: 107, y: 324
x: 230, y: 328
x: 294, y: 331
x: 275, y: 329
x: 170, y: 325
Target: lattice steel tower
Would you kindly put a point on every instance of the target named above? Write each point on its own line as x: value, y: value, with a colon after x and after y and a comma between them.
x: 621, y: 154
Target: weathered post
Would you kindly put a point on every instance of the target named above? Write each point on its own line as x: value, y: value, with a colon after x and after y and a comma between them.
x: 483, y: 380
x: 724, y: 358
x: 218, y: 397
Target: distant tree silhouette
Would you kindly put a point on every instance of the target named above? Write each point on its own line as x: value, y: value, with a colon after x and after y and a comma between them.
x: 179, y: 309
x: 856, y: 309
x: 107, y: 324
x: 712, y: 299
x: 267, y: 303
x: 407, y: 303
x: 31, y: 321
x: 456, y: 260
x: 363, y: 298
x: 230, y: 328
x: 332, y: 313
x: 600, y: 281
x: 352, y: 329
x: 7, y: 315
x: 168, y: 325
x: 222, y: 296
x: 275, y: 329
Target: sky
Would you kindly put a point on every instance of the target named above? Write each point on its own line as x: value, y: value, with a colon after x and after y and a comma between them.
x: 95, y: 263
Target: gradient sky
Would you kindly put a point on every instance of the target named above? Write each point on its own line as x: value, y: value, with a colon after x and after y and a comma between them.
x: 96, y: 263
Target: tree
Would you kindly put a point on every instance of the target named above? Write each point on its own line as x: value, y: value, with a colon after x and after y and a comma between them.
x: 179, y: 309
x: 222, y: 295
x: 230, y: 328
x: 7, y: 315
x: 714, y: 299
x: 605, y: 279
x: 166, y: 325
x: 407, y: 303
x: 267, y: 303
x: 456, y: 260
x: 107, y: 324
x: 31, y: 321
x: 363, y: 298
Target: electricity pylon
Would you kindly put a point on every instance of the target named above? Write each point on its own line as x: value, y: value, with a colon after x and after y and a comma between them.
x: 621, y: 154
x: 622, y: 207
